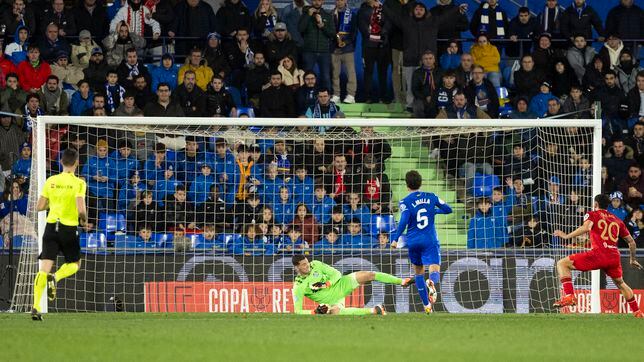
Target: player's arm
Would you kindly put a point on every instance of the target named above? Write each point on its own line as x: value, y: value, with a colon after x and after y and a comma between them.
x: 43, y: 203
x: 80, y: 203
x: 632, y: 248
x: 442, y: 207
x: 583, y: 229
x: 298, y: 300
x: 402, y: 224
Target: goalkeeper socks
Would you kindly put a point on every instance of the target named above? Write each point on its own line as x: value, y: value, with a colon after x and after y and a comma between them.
x: 633, y: 304
x: 66, y: 270
x: 356, y: 311
x: 435, y: 277
x: 568, y: 288
x: 387, y: 278
x: 40, y: 283
x: 422, y: 289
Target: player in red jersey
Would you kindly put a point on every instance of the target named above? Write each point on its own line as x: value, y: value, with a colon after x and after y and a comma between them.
x: 605, y: 229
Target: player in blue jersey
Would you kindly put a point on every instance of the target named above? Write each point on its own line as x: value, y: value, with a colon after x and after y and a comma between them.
x: 417, y: 211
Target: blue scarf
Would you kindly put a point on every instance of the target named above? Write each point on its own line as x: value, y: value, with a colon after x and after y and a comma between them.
x: 270, y: 22
x: 111, y: 104
x: 344, y: 23
x: 317, y: 111
x: 485, y: 20
x: 28, y: 121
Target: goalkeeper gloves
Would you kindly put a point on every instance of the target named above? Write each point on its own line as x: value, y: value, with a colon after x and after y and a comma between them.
x: 320, y: 285
x: 321, y: 309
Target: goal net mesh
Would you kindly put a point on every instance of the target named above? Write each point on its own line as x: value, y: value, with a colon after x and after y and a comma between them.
x: 195, y: 218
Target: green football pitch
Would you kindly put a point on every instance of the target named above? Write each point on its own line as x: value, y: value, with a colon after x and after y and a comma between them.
x: 402, y: 337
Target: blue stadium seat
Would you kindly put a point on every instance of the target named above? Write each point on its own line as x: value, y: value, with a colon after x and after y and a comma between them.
x: 125, y: 241
x: 482, y: 185
x: 111, y: 223
x: 93, y: 240
x: 236, y: 95
x: 197, y: 241
x: 380, y: 223
x: 246, y: 110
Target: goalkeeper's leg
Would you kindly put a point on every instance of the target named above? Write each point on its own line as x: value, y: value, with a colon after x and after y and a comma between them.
x: 364, y: 277
x: 341, y: 310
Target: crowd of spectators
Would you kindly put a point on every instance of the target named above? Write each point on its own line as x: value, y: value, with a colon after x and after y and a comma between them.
x: 186, y: 58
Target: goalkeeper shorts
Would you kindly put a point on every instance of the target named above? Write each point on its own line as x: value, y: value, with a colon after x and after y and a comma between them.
x: 342, y: 288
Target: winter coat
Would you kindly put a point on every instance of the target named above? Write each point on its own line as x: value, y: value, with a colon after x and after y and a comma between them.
x: 627, y: 23
x: 78, y: 105
x: 317, y: 40
x: 49, y: 50
x: 627, y: 80
x: 65, y: 21
x: 455, y: 23
x: 486, y: 231
x: 539, y: 104
x: 231, y: 17
x: 116, y: 49
x: 570, y: 106
x: 160, y: 74
x: 193, y: 103
x: 493, y: 104
x: 289, y: 79
x: 290, y: 15
x: 277, y: 102
x: 31, y: 77
x: 81, y: 53
x: 527, y: 83
x: 419, y: 34
x: 203, y: 73
x: 69, y: 75
x: 486, y: 56
x: 15, y: 51
x: 200, y: 19
x: 579, y: 59
x: 96, y: 22
x: 95, y: 74
x: 572, y: 23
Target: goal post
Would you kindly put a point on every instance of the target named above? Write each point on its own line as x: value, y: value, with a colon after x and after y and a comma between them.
x: 478, y: 279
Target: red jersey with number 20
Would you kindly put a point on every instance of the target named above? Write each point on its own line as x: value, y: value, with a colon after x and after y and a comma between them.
x: 606, y: 230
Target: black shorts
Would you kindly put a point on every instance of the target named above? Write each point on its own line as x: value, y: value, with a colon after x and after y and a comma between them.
x: 64, y: 240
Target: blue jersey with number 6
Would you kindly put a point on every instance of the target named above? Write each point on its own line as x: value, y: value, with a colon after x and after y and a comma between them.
x: 417, y: 211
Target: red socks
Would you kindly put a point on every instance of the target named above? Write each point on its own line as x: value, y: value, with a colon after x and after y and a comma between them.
x: 633, y: 304
x: 568, y: 288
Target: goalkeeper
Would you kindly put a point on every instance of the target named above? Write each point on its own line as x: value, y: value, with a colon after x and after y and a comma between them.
x: 328, y: 287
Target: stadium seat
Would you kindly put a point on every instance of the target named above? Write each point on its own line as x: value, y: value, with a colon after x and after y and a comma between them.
x: 197, y: 241
x: 482, y: 185
x: 380, y: 223
x: 111, y: 223
x: 236, y: 95
x: 246, y: 110
x: 93, y: 240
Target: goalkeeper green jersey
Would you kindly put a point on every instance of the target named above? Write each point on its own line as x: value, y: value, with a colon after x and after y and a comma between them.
x: 321, y: 273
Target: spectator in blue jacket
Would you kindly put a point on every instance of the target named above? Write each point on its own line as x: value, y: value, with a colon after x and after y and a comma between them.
x: 17, y: 51
x: 356, y: 210
x: 211, y: 240
x: 20, y: 201
x: 553, y: 196
x: 97, y: 175
x: 131, y: 191
x: 166, y: 72
x: 485, y: 230
x: 291, y: 241
x: 22, y: 167
x: 284, y: 209
x: 156, y: 165
x: 125, y: 162
x: 82, y: 99
x: 225, y: 164
x: 144, y: 237
x: 200, y: 187
x: 329, y: 244
x: 539, y: 103
x: 584, y: 173
x: 355, y: 239
x: 302, y: 186
x: 190, y: 160
x: 451, y: 60
x: 269, y: 189
x: 616, y: 206
x: 165, y: 187
x: 322, y: 205
x: 250, y: 244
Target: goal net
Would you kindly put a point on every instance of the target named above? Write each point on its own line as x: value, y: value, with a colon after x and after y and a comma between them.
x: 204, y: 215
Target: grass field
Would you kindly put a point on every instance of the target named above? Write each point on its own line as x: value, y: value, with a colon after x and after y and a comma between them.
x: 413, y: 337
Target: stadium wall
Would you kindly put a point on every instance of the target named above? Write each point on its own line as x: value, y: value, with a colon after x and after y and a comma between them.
x: 496, y: 282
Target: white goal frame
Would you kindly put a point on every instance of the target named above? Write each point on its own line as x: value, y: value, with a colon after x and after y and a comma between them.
x: 43, y: 121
